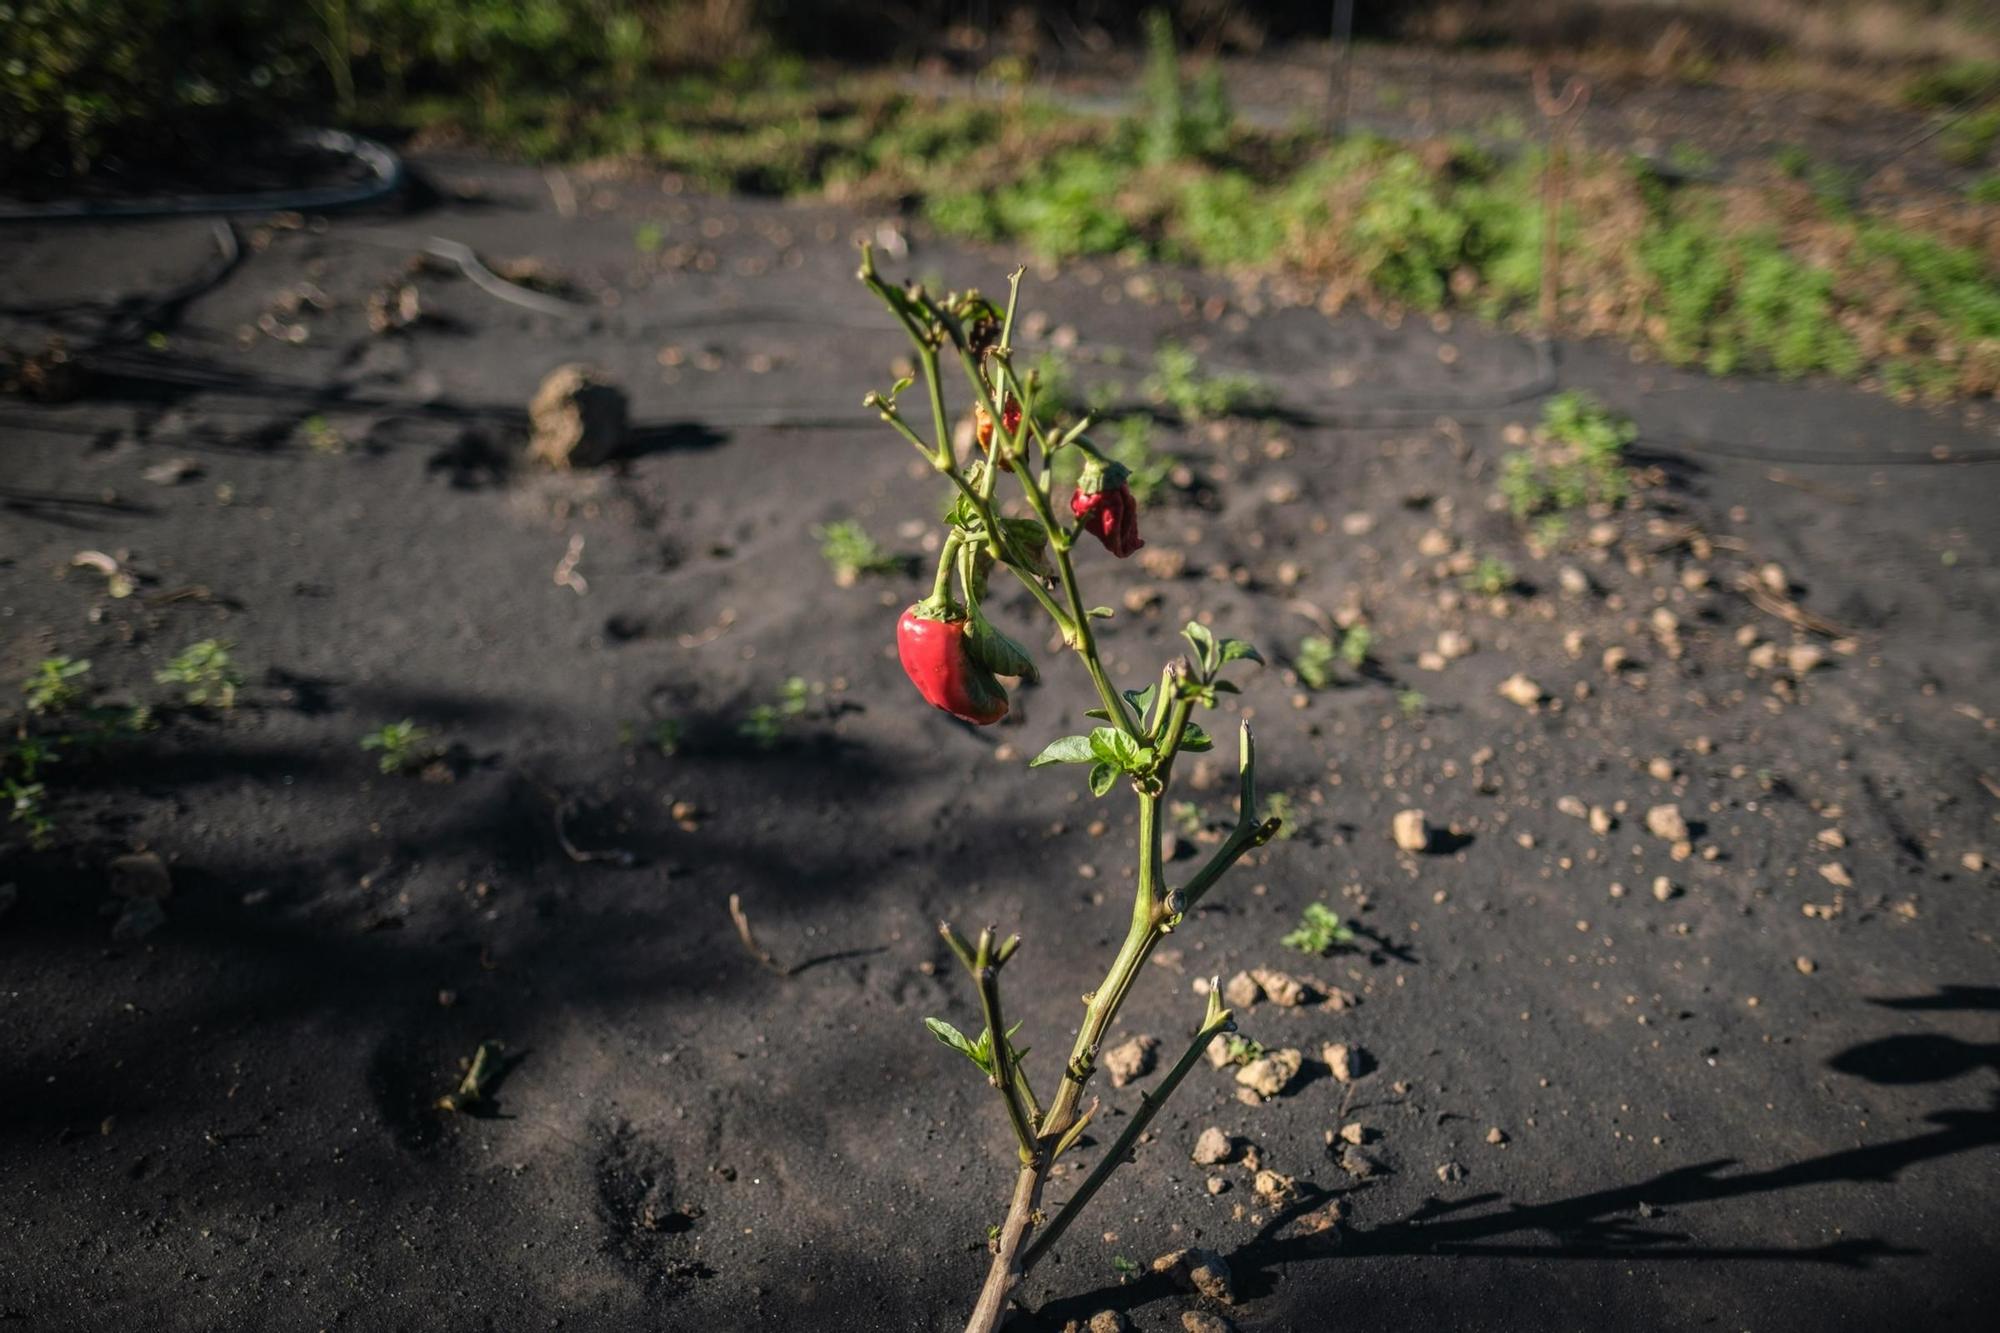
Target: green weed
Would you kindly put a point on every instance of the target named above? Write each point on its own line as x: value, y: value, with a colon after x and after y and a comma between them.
x: 405, y: 747
x: 1320, y: 931
x: 206, y: 672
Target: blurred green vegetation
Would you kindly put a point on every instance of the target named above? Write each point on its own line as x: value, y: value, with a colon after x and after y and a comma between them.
x: 1787, y: 276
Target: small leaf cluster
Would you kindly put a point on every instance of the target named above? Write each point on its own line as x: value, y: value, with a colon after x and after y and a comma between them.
x: 979, y: 1052
x: 207, y: 673
x: 405, y: 746
x: 1111, y: 752
x: 1577, y: 458
x: 1320, y: 931
x: 53, y: 688
x: 764, y: 725
x: 1319, y: 653
x: 851, y: 553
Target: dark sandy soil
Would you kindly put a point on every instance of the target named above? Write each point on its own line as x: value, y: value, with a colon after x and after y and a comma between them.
x: 229, y: 1123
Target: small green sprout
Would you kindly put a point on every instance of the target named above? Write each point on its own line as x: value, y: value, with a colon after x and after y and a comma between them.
x: 53, y: 688
x: 1492, y: 577
x: 206, y: 672
x: 851, y: 553
x: 1320, y: 931
x: 1241, y: 1050
x: 322, y: 437
x: 405, y: 746
x: 24, y: 801
x: 1412, y: 703
x: 1317, y: 654
x: 764, y: 725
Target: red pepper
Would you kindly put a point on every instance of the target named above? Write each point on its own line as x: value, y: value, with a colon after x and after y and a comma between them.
x: 939, y: 663
x: 1010, y: 421
x: 1104, y: 502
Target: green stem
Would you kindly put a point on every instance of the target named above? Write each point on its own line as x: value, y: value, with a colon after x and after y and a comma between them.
x: 1249, y: 833
x: 941, y: 585
x: 987, y: 974
x: 1149, y: 1106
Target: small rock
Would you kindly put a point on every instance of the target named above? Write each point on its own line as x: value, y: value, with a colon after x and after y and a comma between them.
x: 1198, y: 1270
x: 1410, y: 831
x: 1109, y: 1321
x: 1347, y: 1062
x: 1832, y: 837
x: 1973, y: 861
x: 1241, y: 991
x: 1496, y: 1136
x: 1774, y: 578
x: 1573, y: 581
x: 1662, y: 769
x: 1271, y: 1073
x: 1361, y: 1165
x: 1663, y: 889
x: 1130, y: 1059
x: 1453, y: 645
x: 1802, y: 658
x: 1613, y: 660
x: 1201, y: 1321
x: 172, y: 472
x: 141, y: 875
x: 1357, y: 524
x: 1281, y: 988
x: 578, y: 417
x: 1354, y: 1132
x: 1273, y: 1189
x: 1572, y: 806
x: 1451, y: 1173
x: 1834, y: 873
x: 1217, y: 1184
x: 1600, y: 820
x: 1805, y: 965
x: 1214, y: 1147
x: 1434, y: 544
x: 1517, y: 688
x: 1320, y: 1220
x: 1667, y: 822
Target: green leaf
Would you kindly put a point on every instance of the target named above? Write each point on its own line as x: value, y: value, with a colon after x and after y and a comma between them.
x: 1064, y: 750
x: 1098, y: 713
x: 1141, y: 700
x: 1194, y: 740
x: 1100, y: 613
x: 1203, y: 641
x: 1235, y: 649
x: 1101, y: 778
x: 1110, y: 746
x: 953, y: 1038
x: 1225, y: 687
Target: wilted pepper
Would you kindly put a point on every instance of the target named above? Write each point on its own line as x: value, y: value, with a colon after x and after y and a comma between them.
x: 938, y: 659
x: 1104, y: 502
x: 1010, y: 421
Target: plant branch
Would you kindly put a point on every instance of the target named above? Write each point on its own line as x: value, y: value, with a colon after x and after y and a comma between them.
x: 1217, y: 1022
x: 1248, y: 834
x: 987, y: 975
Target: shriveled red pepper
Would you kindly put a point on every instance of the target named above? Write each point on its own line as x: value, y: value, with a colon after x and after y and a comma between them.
x: 1104, y: 502
x: 939, y: 662
x: 1010, y: 421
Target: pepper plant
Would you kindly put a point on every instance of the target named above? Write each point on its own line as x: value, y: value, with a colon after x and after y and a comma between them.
x: 955, y: 656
